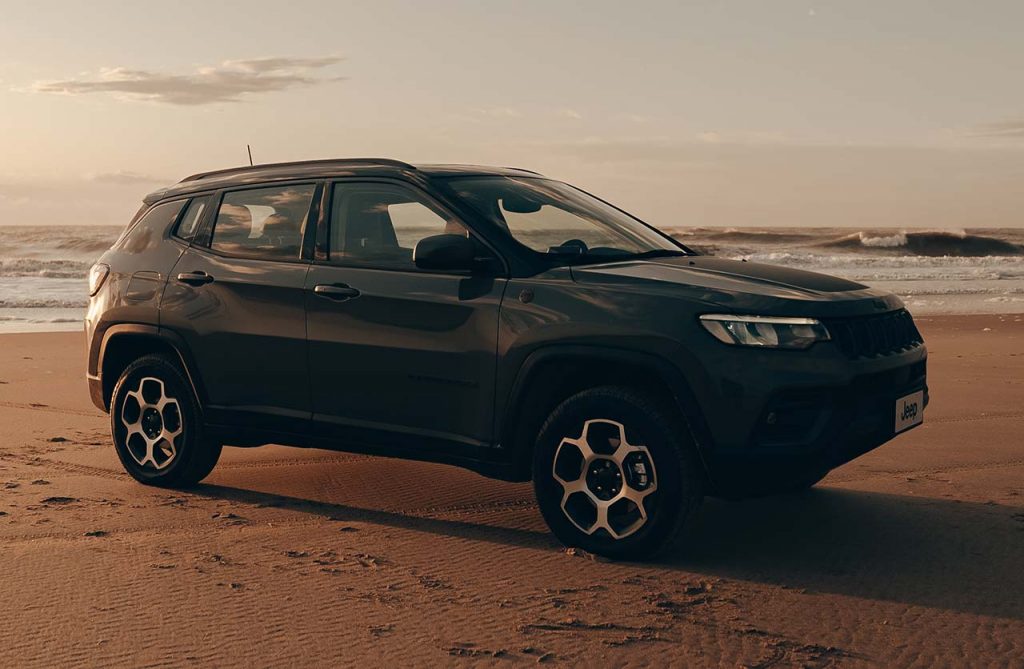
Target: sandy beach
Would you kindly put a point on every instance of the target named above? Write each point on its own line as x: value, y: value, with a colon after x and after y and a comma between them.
x: 910, y: 556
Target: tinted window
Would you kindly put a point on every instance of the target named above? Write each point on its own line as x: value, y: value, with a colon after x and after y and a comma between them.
x: 263, y: 222
x: 549, y: 217
x: 193, y: 216
x: 380, y: 224
x: 150, y: 227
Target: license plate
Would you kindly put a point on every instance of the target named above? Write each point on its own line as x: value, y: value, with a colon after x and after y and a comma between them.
x: 909, y: 411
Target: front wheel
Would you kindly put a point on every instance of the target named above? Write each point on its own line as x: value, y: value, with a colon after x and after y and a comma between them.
x: 156, y: 427
x: 616, y: 473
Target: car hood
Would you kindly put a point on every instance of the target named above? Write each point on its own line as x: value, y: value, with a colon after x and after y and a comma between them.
x: 741, y: 285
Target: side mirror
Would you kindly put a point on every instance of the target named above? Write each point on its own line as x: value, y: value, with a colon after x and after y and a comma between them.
x: 445, y: 252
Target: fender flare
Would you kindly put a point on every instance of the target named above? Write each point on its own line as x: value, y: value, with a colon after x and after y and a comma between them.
x: 140, y: 330
x: 670, y: 374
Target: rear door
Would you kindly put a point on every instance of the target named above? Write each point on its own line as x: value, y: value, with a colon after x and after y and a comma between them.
x: 236, y: 297
x: 398, y: 355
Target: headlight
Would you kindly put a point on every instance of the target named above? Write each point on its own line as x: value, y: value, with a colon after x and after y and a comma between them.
x: 97, y: 275
x: 766, y: 331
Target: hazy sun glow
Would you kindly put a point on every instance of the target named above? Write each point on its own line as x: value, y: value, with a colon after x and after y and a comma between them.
x: 781, y: 113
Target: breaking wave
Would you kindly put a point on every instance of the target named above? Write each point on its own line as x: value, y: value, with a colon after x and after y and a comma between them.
x: 52, y: 269
x: 888, y: 243
x: 925, y: 243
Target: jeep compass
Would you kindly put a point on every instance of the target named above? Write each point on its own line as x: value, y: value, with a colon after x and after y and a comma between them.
x: 489, y: 318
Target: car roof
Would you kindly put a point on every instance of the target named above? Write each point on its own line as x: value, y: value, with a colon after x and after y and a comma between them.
x: 320, y: 169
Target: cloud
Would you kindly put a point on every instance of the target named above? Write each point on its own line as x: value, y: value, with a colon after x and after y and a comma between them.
x: 126, y: 178
x: 498, y: 112
x: 570, y: 114
x: 228, y: 82
x: 1012, y: 128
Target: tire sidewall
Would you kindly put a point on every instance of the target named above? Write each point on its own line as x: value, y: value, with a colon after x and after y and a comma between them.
x: 644, y: 425
x: 175, y: 386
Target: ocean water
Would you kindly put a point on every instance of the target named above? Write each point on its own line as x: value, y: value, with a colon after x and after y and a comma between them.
x: 43, y: 270
x: 43, y: 274
x: 970, y: 271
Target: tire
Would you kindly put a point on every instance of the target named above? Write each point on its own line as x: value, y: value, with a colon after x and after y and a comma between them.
x: 156, y: 425
x: 619, y: 450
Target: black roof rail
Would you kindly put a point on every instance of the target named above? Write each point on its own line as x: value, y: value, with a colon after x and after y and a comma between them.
x: 523, y: 169
x: 327, y: 161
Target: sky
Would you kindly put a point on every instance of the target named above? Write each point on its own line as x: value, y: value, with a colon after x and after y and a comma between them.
x: 868, y: 114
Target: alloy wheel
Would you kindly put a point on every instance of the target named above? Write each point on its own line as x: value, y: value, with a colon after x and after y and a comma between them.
x: 604, y: 479
x: 152, y: 422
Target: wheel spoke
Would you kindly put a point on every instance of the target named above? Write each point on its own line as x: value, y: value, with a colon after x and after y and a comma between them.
x: 149, y: 453
x: 581, y: 443
x: 574, y: 486
x: 624, y: 449
x: 602, y: 519
x: 635, y: 496
x: 171, y: 434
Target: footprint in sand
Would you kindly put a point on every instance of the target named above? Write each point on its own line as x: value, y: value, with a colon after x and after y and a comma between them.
x: 59, y: 500
x: 231, y: 518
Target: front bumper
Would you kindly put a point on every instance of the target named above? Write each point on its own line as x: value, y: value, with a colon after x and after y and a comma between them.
x: 791, y: 424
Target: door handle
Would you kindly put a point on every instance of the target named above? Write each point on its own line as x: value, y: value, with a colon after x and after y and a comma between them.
x: 199, y: 278
x: 338, y: 292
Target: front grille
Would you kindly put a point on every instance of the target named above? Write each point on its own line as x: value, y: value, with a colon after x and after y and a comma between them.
x: 873, y: 336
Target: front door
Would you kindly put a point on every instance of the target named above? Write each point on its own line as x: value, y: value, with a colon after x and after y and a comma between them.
x: 236, y: 297
x: 398, y: 356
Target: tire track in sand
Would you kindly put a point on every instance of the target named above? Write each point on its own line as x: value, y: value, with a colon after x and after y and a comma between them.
x: 32, y: 406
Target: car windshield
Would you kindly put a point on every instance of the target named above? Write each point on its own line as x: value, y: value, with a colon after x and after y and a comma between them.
x: 559, y: 221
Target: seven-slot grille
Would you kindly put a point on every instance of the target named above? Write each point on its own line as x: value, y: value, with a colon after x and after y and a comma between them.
x: 871, y: 336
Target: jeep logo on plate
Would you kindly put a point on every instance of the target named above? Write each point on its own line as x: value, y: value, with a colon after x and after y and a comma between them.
x: 909, y: 411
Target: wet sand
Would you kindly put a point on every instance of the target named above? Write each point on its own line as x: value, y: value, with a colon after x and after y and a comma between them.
x: 910, y: 556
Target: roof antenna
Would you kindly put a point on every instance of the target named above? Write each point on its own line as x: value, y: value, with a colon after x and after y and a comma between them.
x: 249, y: 149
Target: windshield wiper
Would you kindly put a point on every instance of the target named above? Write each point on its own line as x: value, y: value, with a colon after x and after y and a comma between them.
x: 659, y: 253
x: 573, y: 256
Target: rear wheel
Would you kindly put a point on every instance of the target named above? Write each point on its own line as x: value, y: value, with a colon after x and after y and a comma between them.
x: 156, y: 427
x: 616, y: 473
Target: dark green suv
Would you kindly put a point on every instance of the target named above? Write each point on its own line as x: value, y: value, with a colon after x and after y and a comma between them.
x: 489, y: 318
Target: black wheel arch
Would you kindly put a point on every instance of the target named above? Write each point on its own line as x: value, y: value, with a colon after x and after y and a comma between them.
x: 123, y: 343
x: 553, y: 373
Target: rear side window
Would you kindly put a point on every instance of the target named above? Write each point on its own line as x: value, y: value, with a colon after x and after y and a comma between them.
x: 188, y: 226
x: 265, y: 223
x: 151, y: 228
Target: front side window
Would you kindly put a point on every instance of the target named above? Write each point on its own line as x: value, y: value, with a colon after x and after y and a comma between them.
x: 380, y: 224
x: 265, y: 223
x: 559, y: 221
x: 193, y: 216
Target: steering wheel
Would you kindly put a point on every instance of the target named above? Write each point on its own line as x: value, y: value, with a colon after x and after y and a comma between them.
x: 576, y: 242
